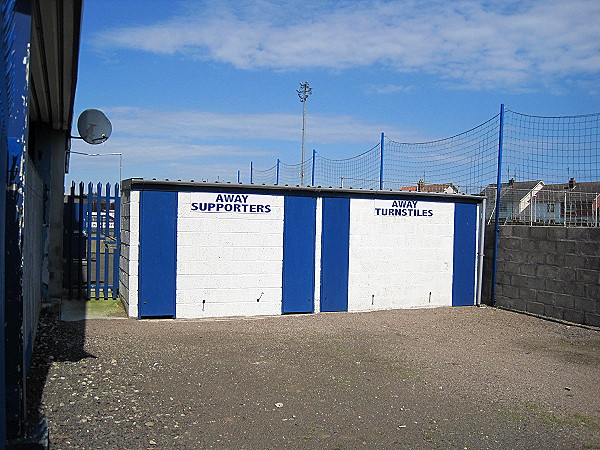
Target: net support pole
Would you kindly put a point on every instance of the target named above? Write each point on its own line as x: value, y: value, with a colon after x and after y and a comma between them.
x: 312, y: 178
x: 277, y: 174
x: 250, y: 172
x: 381, y: 163
x: 497, y: 212
x: 238, y: 176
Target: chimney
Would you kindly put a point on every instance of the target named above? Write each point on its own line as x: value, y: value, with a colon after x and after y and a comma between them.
x: 420, y: 185
x: 511, y: 181
x: 571, y: 183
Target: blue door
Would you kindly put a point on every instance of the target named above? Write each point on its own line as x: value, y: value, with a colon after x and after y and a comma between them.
x: 158, y: 254
x: 299, y: 229
x: 335, y: 247
x: 465, y: 242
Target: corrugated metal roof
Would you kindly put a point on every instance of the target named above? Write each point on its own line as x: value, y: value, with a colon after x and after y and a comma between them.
x: 55, y: 35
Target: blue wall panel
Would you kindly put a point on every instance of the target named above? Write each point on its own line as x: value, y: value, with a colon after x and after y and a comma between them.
x: 158, y: 253
x: 299, y: 230
x: 465, y: 241
x: 335, y: 249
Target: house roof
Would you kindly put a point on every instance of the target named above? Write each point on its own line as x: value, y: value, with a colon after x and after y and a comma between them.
x: 586, y: 191
x: 523, y: 187
x: 440, y: 187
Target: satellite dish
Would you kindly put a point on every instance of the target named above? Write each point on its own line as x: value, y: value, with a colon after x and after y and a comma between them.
x: 93, y: 126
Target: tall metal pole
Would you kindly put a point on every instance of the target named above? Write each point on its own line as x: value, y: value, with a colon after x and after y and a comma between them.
x: 497, y: 212
x: 381, y: 163
x: 304, y: 91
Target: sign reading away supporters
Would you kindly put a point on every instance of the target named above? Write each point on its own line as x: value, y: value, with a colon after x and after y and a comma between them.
x: 230, y: 203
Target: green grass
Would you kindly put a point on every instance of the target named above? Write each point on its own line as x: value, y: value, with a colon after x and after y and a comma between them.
x: 106, y: 307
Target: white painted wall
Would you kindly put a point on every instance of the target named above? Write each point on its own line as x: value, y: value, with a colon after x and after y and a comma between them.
x: 397, y: 261
x: 228, y: 260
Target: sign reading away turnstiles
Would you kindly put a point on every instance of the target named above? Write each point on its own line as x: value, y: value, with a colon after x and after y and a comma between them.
x: 404, y: 208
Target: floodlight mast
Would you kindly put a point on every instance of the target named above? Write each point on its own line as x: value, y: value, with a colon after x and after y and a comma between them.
x: 304, y: 91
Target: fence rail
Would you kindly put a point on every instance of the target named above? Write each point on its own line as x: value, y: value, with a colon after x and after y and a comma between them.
x: 561, y: 153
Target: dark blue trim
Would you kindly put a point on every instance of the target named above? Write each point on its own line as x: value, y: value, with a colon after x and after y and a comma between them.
x: 158, y: 254
x: 465, y: 240
x: 299, y: 231
x: 335, y: 251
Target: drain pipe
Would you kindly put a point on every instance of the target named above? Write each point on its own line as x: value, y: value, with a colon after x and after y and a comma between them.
x: 480, y: 253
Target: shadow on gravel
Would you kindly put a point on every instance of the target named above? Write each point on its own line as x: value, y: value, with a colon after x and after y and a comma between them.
x: 55, y: 341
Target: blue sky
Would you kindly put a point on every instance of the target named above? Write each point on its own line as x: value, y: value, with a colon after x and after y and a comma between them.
x: 198, y: 89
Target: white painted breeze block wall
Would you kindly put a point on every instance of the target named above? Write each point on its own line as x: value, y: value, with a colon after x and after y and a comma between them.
x: 400, y: 261
x: 229, y: 262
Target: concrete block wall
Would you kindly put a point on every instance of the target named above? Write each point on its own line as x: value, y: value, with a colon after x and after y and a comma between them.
x: 228, y: 261
x: 392, y: 258
x: 550, y: 271
x: 129, y: 257
x: 232, y: 255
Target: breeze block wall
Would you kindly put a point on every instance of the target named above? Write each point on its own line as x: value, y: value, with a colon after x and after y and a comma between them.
x: 194, y: 250
x: 549, y: 271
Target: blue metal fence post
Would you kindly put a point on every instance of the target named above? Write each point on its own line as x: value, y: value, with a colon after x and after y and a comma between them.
x: 80, y: 239
x: 98, y: 199
x: 117, y: 235
x: 312, y: 181
x: 497, y: 212
x: 277, y: 173
x: 88, y: 227
x: 250, y: 172
x: 105, y: 250
x: 381, y: 163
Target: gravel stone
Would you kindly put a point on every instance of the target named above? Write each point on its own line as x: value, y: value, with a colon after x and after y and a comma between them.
x: 462, y: 377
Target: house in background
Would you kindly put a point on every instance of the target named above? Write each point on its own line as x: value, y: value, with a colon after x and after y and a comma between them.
x: 516, y: 200
x: 442, y: 188
x: 572, y: 202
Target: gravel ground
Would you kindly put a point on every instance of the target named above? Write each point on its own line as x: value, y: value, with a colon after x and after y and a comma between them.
x: 439, y: 378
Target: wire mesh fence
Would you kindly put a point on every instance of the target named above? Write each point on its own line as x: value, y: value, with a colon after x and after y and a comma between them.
x: 548, y: 167
x: 467, y: 161
x: 361, y: 171
x: 553, y: 149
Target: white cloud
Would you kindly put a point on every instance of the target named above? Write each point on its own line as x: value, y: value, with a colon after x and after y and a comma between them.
x: 199, y: 125
x: 203, y: 145
x: 390, y: 88
x: 471, y: 42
